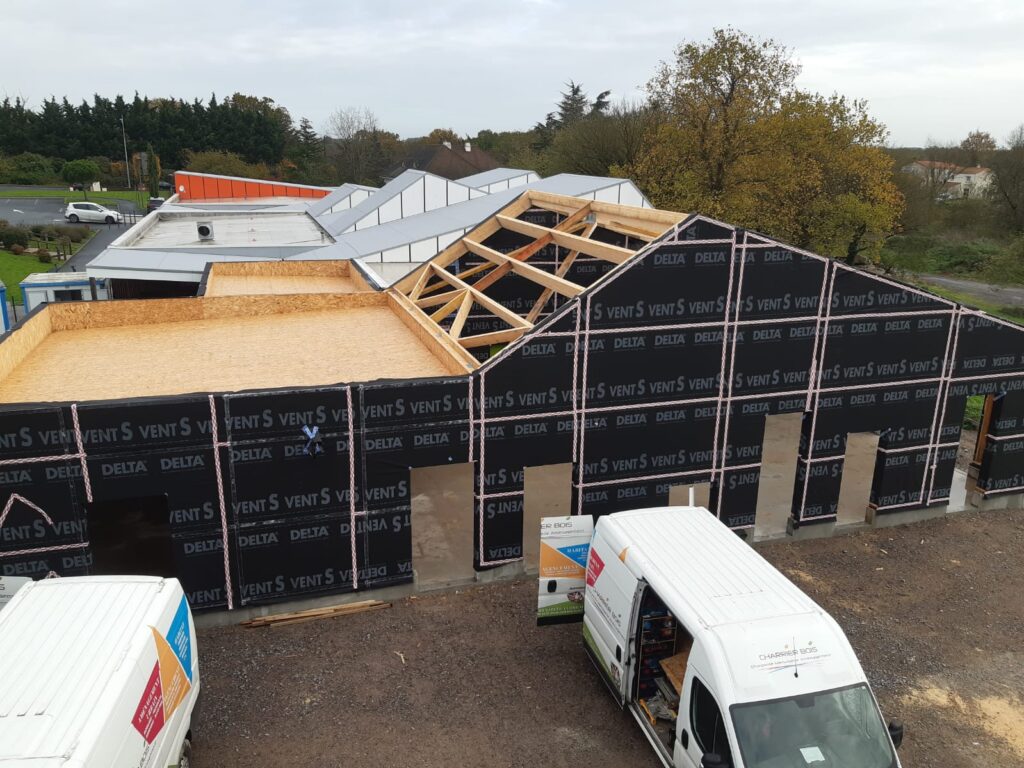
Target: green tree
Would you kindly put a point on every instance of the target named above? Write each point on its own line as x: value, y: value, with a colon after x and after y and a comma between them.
x: 441, y: 135
x: 977, y: 147
x: 1008, y: 185
x: 573, y: 105
x: 154, y: 171
x: 27, y: 168
x: 225, y: 164
x: 83, y: 172
x: 601, y: 144
x: 737, y: 140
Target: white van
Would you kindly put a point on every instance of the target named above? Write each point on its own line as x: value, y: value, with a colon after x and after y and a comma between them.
x: 97, y: 672
x: 719, y: 657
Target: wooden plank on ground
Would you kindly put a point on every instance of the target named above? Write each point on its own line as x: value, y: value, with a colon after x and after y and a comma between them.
x: 292, y: 617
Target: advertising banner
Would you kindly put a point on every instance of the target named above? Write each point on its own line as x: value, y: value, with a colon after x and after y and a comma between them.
x: 564, y: 547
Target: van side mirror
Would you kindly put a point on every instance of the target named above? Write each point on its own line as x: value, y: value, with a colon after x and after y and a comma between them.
x: 896, y: 733
x: 713, y: 760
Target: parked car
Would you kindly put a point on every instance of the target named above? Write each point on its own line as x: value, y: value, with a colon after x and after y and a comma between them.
x: 76, y: 212
x: 165, y: 185
x: 153, y: 204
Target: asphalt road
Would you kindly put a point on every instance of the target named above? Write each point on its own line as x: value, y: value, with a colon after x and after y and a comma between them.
x: 104, y: 236
x: 1005, y: 295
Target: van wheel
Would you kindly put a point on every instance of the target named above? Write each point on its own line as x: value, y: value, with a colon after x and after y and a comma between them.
x: 73, y: 218
x: 109, y: 220
x: 185, y: 758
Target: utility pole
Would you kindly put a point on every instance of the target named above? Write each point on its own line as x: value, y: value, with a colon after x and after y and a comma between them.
x: 127, y: 165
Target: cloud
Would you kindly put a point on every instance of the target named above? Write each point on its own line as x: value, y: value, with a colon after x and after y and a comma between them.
x: 927, y: 68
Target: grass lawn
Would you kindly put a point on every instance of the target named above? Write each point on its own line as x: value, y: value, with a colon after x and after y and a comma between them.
x: 113, y: 197
x: 13, y: 270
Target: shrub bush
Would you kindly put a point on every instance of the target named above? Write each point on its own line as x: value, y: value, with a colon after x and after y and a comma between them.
x: 75, y: 234
x: 11, y: 236
x: 17, y: 250
x: 45, y: 257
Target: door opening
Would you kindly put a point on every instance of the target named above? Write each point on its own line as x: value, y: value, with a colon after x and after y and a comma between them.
x: 858, y: 473
x: 131, y: 537
x: 663, y: 648
x: 977, y: 416
x: 547, y: 493
x: 779, y: 454
x: 442, y: 524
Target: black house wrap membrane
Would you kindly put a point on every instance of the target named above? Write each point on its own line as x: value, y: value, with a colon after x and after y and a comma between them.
x: 661, y: 372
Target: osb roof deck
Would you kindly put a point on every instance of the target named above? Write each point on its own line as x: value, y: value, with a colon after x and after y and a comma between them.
x: 445, y: 298
x: 250, y: 278
x: 127, y: 349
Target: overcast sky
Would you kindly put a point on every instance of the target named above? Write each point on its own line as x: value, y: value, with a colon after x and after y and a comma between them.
x: 928, y: 68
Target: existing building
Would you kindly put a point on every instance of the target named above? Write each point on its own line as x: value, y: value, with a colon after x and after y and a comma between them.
x: 5, y: 320
x: 951, y: 181
x: 267, y: 442
x: 52, y: 287
x: 446, y: 160
x: 387, y: 232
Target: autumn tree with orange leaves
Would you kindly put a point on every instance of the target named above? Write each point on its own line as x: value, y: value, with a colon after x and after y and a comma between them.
x: 736, y: 139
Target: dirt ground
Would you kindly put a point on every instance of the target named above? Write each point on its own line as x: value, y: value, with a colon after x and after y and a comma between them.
x: 935, y: 611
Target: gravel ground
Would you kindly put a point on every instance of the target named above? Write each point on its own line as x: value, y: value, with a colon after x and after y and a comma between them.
x: 934, y: 610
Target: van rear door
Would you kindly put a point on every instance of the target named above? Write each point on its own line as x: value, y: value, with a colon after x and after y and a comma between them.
x: 613, y: 593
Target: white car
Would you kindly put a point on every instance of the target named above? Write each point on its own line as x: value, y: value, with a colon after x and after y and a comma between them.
x: 76, y: 212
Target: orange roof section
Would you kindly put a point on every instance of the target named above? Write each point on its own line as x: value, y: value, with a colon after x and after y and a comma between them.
x: 209, y: 186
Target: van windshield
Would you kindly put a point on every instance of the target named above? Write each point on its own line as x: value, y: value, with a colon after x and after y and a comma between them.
x: 831, y: 729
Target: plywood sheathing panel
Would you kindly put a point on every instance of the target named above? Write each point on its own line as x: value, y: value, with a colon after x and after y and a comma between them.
x: 223, y: 351
x: 250, y: 285
x: 284, y: 277
x: 19, y: 344
x: 454, y: 356
x: 103, y: 314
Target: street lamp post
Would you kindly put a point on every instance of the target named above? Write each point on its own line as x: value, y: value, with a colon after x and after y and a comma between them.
x: 127, y: 165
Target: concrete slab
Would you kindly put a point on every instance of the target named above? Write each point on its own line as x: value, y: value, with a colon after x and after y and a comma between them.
x: 1002, y: 501
x: 809, y: 531
x: 902, y: 517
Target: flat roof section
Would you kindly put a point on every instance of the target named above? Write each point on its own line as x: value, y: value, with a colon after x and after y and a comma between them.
x: 283, y: 277
x: 178, y: 230
x: 129, y: 349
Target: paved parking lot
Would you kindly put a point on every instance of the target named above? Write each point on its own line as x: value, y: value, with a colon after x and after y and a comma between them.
x: 31, y: 210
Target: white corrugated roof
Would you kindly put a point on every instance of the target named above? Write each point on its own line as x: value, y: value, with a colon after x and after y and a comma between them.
x: 339, y: 195
x: 494, y: 176
x: 60, y: 644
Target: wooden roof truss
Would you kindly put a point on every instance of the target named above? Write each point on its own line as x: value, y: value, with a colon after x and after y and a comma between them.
x: 440, y: 294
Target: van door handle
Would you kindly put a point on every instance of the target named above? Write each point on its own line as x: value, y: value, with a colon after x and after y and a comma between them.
x: 618, y: 653
x: 684, y: 738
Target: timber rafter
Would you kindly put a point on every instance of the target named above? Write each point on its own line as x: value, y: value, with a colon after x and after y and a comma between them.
x: 439, y: 292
